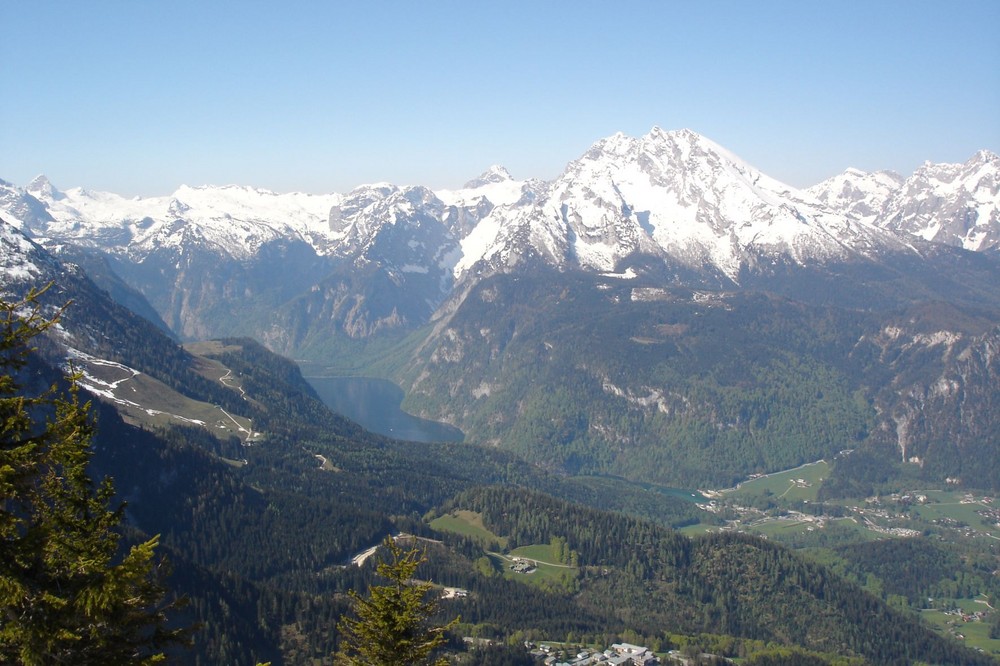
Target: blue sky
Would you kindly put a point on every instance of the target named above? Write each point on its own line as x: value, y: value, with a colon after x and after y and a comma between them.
x: 140, y: 97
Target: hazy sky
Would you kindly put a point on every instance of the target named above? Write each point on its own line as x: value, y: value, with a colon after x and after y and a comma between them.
x: 138, y: 97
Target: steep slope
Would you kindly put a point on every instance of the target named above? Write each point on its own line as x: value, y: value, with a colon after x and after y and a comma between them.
x: 693, y: 387
x: 595, y: 375
x: 22, y: 261
x: 626, y: 322
x: 858, y: 194
x: 935, y: 369
x: 259, y: 545
x: 205, y: 258
x: 957, y: 204
x: 676, y: 196
x: 379, y: 260
x: 94, y: 332
x: 21, y: 209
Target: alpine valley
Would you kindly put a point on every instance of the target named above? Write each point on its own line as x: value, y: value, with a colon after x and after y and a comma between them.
x: 661, y: 316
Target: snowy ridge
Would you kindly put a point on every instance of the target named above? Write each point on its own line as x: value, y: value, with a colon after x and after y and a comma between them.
x: 354, y: 224
x: 20, y: 209
x: 674, y: 194
x: 957, y: 204
x: 858, y: 194
x: 496, y: 185
x: 21, y: 260
x: 235, y: 220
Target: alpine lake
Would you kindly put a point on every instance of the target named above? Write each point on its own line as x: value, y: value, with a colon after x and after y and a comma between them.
x: 375, y: 405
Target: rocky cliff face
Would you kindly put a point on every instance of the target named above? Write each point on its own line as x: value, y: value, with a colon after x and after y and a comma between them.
x: 939, y: 403
x: 673, y: 207
x: 955, y: 204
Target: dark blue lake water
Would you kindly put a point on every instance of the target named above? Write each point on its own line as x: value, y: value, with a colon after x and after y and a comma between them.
x: 374, y: 403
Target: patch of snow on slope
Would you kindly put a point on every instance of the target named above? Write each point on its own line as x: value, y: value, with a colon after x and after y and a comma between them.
x: 17, y: 255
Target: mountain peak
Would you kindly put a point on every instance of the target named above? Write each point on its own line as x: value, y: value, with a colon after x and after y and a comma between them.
x: 658, y: 132
x: 495, y: 174
x: 957, y: 204
x: 42, y: 187
x: 984, y: 157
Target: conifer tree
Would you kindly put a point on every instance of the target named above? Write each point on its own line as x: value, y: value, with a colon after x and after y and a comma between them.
x: 392, y: 627
x: 66, y: 594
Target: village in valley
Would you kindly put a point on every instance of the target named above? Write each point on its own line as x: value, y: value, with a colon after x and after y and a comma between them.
x: 787, y: 504
x: 619, y: 654
x: 786, y: 507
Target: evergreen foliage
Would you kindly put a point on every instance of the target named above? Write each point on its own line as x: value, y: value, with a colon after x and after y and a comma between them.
x: 65, y: 596
x: 724, y: 583
x: 701, y: 389
x: 391, y: 627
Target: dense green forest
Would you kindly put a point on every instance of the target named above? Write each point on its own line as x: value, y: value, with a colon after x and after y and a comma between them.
x: 701, y: 389
x: 723, y: 583
x: 260, y: 537
x: 260, y: 547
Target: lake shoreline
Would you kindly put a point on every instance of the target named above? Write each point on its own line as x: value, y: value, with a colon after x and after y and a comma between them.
x: 374, y: 404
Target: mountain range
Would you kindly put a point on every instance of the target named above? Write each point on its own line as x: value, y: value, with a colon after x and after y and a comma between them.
x: 534, y: 315
x: 676, y: 196
x: 661, y: 313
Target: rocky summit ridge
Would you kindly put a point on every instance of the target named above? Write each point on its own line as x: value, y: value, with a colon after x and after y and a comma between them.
x: 672, y: 208
x: 672, y: 194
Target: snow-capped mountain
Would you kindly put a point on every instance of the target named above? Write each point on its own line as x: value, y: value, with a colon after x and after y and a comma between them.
x: 494, y: 188
x: 957, y: 204
x: 671, y: 205
x: 389, y: 223
x: 21, y: 261
x: 200, y: 251
x: 642, y: 249
x: 235, y: 221
x: 675, y: 195
x: 22, y: 210
x: 858, y: 194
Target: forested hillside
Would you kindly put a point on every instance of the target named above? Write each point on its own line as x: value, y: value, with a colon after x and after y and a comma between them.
x: 259, y: 543
x: 700, y: 389
x: 261, y: 531
x: 631, y: 573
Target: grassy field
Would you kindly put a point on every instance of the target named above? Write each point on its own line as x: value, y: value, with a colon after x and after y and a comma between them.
x: 467, y: 523
x: 470, y: 524
x: 950, y: 505
x: 210, y: 347
x: 801, y: 483
x: 778, y: 528
x: 974, y: 634
x: 547, y: 571
x: 146, y: 401
x: 791, y: 528
x: 542, y: 553
x: 698, y: 529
